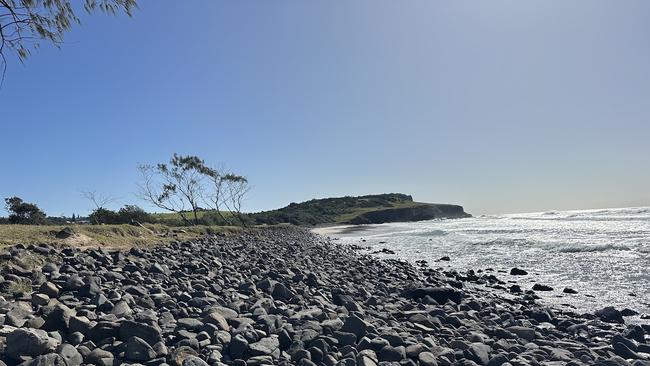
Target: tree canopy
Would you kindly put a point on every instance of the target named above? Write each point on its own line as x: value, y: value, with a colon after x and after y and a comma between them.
x: 21, y: 212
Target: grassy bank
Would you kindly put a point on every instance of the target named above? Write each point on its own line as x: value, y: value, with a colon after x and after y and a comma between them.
x: 112, y: 236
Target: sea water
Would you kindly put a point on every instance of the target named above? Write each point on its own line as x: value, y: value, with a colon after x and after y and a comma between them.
x: 602, y: 254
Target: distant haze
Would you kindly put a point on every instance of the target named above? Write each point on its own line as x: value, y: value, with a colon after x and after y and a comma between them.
x: 500, y: 106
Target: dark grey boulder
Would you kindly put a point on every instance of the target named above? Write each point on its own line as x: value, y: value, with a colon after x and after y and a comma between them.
x: 65, y: 233
x: 238, y: 346
x: 70, y: 355
x: 57, y: 317
x: 390, y: 353
x: 269, y: 346
x: 427, y: 359
x: 518, y: 272
x: 480, y: 353
x: 100, y: 357
x: 541, y: 287
x: 610, y: 314
x: 150, y: 334
x: 522, y: 332
x: 138, y: 350
x: 29, y: 342
x: 49, y: 289
x: 354, y: 324
x: 189, y: 323
x: 440, y: 294
x: 281, y: 292
x: 121, y: 309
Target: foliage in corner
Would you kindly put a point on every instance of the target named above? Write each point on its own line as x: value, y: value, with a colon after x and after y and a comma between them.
x: 24, y: 23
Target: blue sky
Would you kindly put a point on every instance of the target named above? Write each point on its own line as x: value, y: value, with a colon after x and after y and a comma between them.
x: 501, y: 106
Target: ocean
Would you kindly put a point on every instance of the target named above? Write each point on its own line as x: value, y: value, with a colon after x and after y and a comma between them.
x: 602, y: 254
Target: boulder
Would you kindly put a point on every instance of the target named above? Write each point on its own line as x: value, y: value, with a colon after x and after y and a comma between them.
x: 29, y: 342
x: 610, y: 314
x: 440, y: 294
x: 518, y: 272
x: 138, y: 350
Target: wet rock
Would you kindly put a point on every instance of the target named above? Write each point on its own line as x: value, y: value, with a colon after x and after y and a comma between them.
x: 624, y: 351
x: 610, y: 314
x: 518, y: 272
x: 628, y: 312
x: 540, y: 287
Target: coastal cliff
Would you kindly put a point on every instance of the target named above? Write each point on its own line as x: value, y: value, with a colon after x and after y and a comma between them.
x: 420, y: 212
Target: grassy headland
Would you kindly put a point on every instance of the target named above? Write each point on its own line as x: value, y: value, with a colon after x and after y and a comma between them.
x: 367, y: 209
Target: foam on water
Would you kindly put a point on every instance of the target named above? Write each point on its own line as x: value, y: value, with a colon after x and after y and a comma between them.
x: 603, y: 254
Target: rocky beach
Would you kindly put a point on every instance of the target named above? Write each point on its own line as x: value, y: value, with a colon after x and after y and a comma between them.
x: 283, y: 296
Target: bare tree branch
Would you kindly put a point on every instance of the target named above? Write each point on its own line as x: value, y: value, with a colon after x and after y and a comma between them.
x: 100, y: 201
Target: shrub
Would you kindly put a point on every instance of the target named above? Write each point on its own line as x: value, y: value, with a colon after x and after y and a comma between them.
x: 21, y: 212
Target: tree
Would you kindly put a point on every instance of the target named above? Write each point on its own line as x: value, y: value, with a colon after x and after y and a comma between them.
x: 21, y: 212
x: 103, y: 216
x: 176, y: 186
x: 100, y: 201
x: 227, y: 192
x: 187, y: 181
x: 132, y: 214
x: 23, y: 23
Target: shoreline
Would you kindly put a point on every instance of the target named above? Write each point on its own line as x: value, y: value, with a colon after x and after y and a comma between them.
x: 282, y: 296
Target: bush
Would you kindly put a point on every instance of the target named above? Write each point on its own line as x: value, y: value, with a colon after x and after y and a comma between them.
x: 132, y: 213
x: 21, y: 212
x: 128, y: 214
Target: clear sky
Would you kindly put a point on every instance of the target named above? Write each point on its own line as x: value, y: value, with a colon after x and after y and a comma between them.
x: 501, y: 106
